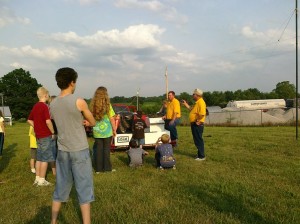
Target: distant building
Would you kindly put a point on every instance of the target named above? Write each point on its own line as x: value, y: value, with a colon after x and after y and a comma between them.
x: 214, y: 109
x: 257, y: 104
x: 7, y: 114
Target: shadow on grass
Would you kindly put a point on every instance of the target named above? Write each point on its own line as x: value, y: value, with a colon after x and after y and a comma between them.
x: 75, y: 202
x: 124, y: 159
x: 44, y: 216
x: 183, y: 152
x: 44, y: 213
x: 228, y: 204
x: 8, y: 154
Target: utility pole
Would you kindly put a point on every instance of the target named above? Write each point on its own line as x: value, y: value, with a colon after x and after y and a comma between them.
x: 166, y: 76
x: 296, y: 13
x: 137, y: 99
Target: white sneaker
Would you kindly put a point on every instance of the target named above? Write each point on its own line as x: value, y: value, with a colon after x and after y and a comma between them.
x: 35, y: 182
x: 45, y: 183
x: 32, y: 170
x: 200, y: 159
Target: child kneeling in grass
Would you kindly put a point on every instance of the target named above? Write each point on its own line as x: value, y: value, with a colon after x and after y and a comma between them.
x: 164, y: 153
x: 135, y: 154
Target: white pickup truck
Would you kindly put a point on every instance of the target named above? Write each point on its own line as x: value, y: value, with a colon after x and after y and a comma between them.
x: 124, y: 117
x: 152, y: 133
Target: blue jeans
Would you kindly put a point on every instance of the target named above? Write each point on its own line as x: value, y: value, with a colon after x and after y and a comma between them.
x: 74, y: 167
x: 172, y: 128
x: 140, y: 141
x: 197, y: 132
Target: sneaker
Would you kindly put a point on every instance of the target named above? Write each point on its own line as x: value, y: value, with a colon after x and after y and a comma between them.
x: 161, y: 168
x: 45, y: 183
x: 113, y: 170
x: 35, y: 182
x: 32, y: 170
x: 174, y: 167
x: 200, y: 159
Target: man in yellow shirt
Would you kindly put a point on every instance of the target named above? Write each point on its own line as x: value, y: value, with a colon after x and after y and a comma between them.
x: 197, y: 119
x: 172, y: 117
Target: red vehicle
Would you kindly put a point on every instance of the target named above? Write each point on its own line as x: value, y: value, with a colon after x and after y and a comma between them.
x: 120, y: 107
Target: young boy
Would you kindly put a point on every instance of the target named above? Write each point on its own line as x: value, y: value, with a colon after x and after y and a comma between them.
x: 164, y: 153
x: 39, y: 119
x: 74, y: 165
x: 138, y: 129
x: 33, y: 147
x: 135, y: 154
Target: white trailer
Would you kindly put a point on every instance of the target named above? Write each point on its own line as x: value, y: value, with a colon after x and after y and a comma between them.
x: 152, y: 133
x: 258, y: 104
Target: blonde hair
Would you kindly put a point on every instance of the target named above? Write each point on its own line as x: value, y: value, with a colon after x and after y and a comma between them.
x: 42, y: 91
x: 100, y: 104
x: 165, y: 138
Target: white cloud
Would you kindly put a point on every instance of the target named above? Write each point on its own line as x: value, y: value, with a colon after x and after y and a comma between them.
x: 48, y: 53
x: 7, y: 17
x: 269, y: 36
x: 16, y: 65
x: 139, y: 36
x: 84, y: 2
x: 182, y: 58
x: 88, y: 2
x: 150, y: 5
x: 168, y: 12
x: 131, y: 60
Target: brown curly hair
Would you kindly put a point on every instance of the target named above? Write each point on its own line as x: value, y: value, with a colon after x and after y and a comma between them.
x: 100, y: 104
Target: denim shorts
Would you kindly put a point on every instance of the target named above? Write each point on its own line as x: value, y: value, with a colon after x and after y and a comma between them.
x: 45, y: 149
x: 74, y: 167
x: 140, y: 141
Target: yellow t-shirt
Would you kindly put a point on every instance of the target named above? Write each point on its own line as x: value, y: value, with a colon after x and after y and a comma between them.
x: 32, y: 139
x: 198, y: 109
x: 173, y: 107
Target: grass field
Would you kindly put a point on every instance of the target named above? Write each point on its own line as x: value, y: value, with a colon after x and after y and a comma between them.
x: 251, y: 175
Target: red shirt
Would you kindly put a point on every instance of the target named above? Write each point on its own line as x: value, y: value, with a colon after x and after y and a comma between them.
x: 39, y: 114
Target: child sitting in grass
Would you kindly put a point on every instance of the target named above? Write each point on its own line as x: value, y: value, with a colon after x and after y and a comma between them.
x: 164, y: 153
x: 135, y: 154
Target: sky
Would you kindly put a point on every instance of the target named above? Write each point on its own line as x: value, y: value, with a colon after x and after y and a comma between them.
x: 126, y: 45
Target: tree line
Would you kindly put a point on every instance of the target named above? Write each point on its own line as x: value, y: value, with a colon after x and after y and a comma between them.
x: 19, y: 91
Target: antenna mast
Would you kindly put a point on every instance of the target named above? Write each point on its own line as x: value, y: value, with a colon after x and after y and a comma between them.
x: 296, y: 12
x: 137, y: 99
x: 166, y: 75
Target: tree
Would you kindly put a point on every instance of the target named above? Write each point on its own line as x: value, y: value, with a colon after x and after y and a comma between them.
x: 186, y: 96
x: 19, y: 90
x: 285, y: 90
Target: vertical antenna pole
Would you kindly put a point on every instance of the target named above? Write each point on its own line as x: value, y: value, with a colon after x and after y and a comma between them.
x: 296, y: 13
x: 166, y: 75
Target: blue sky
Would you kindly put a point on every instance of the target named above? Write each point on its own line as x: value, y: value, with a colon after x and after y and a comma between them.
x: 215, y: 45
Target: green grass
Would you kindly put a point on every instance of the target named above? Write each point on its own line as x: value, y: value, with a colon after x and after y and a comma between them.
x: 251, y: 175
